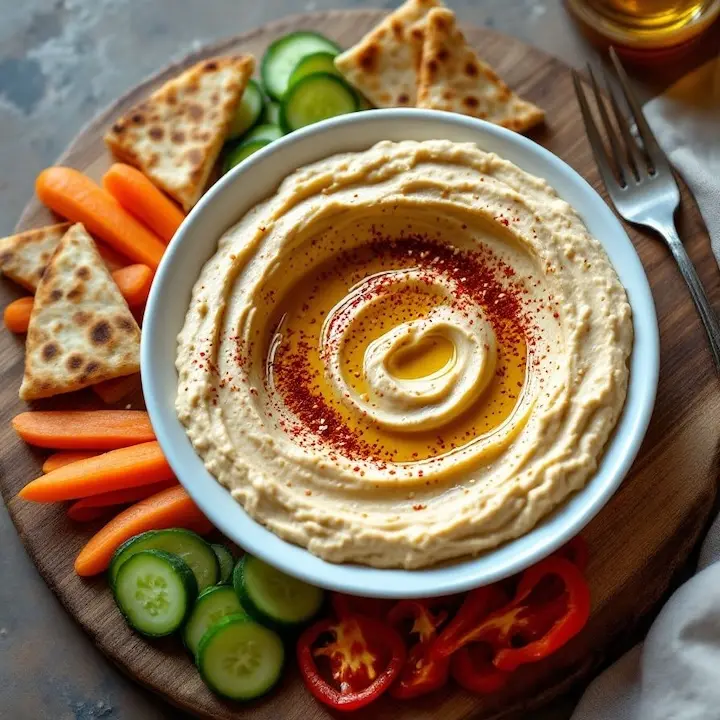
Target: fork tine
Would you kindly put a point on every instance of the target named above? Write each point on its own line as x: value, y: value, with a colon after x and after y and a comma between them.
x: 652, y: 148
x: 596, y: 142
x: 632, y: 151
x: 609, y: 129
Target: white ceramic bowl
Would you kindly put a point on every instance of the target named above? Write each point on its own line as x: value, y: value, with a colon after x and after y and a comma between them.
x: 256, y: 179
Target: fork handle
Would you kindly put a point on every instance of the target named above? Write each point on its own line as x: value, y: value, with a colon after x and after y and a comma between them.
x: 700, y: 298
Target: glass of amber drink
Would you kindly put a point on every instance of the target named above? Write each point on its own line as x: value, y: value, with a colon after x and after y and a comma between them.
x: 646, y: 24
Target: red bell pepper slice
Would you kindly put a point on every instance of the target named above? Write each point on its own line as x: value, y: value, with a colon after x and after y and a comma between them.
x: 422, y: 672
x: 363, y: 656
x: 346, y: 605
x: 562, y: 628
x: 472, y: 668
x: 551, y: 605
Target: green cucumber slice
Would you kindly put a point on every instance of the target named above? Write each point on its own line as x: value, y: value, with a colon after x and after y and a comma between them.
x: 212, y: 605
x: 225, y: 562
x: 248, y: 110
x: 187, y: 545
x: 283, y: 55
x: 155, y: 592
x: 271, y: 116
x: 316, y: 97
x: 241, y: 152
x: 315, y: 63
x: 272, y: 597
x: 240, y: 659
x: 263, y: 132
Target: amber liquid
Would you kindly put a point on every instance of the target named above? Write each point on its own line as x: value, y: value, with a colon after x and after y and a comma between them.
x: 648, y: 23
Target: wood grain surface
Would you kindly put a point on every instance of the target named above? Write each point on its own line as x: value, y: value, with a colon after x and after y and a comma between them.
x: 637, y: 542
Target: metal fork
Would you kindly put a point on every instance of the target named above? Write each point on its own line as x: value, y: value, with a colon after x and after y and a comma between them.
x: 642, y: 186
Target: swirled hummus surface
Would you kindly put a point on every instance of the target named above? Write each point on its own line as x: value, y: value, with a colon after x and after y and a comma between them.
x: 405, y: 355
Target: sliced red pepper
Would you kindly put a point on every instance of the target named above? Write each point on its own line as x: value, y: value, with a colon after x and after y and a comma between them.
x: 562, y: 628
x: 346, y: 605
x: 478, y: 605
x: 551, y: 605
x: 472, y: 668
x: 363, y: 657
x: 422, y: 672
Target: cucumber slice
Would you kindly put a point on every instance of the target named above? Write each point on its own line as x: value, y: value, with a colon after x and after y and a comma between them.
x: 241, y: 152
x: 315, y: 63
x: 212, y: 605
x: 225, y: 562
x: 248, y: 110
x: 283, y: 55
x: 187, y: 545
x: 272, y: 597
x: 263, y: 132
x: 240, y: 659
x: 271, y: 116
x: 316, y: 97
x: 155, y: 592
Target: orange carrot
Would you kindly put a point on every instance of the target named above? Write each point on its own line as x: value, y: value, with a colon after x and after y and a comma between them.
x: 137, y: 194
x: 84, y: 429
x: 112, y: 391
x: 124, y: 496
x: 76, y: 197
x: 17, y: 315
x: 88, y: 514
x: 168, y: 508
x: 127, y: 467
x: 134, y: 282
x: 60, y: 459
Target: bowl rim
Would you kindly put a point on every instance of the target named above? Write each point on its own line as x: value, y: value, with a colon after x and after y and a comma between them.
x: 465, y: 573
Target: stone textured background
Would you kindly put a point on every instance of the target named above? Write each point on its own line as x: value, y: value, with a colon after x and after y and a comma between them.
x: 60, y: 62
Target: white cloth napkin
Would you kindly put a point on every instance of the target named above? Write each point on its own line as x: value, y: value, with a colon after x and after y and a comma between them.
x: 675, y: 673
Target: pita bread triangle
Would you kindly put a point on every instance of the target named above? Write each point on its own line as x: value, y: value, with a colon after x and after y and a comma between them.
x: 384, y: 64
x: 81, y: 330
x: 175, y: 136
x: 452, y: 77
x: 23, y: 257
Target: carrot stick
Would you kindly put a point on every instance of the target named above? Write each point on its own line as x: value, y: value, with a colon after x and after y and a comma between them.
x: 137, y: 194
x: 124, y: 496
x: 168, y: 508
x: 17, y: 315
x: 127, y: 467
x: 134, y: 282
x: 84, y: 429
x: 60, y: 459
x: 76, y: 197
x: 112, y: 391
x: 88, y: 514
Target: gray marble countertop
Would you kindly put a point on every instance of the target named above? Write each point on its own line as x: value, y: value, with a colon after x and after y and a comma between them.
x: 60, y: 62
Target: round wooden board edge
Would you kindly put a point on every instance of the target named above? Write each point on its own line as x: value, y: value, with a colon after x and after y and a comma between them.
x: 102, y: 119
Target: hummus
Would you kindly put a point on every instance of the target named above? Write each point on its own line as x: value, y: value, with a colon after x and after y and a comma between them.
x: 405, y: 355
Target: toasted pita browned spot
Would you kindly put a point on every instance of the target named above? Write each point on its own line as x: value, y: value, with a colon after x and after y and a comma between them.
x: 138, y: 119
x: 383, y: 65
x: 453, y: 78
x: 194, y: 110
x: 6, y: 257
x: 49, y: 351
x: 74, y: 362
x: 100, y: 333
x: 69, y: 329
x: 403, y: 99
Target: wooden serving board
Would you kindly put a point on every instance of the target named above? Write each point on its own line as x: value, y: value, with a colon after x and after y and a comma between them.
x: 638, y: 541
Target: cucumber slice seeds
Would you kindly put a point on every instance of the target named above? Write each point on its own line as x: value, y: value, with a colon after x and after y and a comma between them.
x: 155, y: 592
x: 240, y: 659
